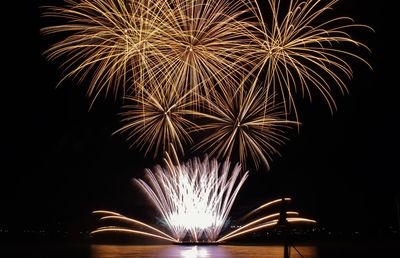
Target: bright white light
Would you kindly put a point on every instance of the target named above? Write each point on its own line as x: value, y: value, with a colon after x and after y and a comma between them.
x: 194, y: 252
x: 194, y: 198
x: 195, y: 219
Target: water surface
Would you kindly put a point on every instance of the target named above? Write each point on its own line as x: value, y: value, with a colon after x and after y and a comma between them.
x: 370, y: 249
x: 178, y: 251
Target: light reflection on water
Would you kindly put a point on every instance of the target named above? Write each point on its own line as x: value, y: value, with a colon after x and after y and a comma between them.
x: 181, y: 251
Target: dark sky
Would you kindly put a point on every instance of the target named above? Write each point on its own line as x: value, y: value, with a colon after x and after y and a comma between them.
x: 59, y: 161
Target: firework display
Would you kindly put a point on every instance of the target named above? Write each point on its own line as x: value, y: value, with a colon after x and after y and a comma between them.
x: 127, y: 46
x: 216, y: 76
x: 230, y: 68
x: 193, y: 200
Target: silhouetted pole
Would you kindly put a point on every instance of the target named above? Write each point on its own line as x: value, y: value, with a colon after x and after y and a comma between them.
x: 398, y: 212
x: 283, y: 223
x: 286, y: 246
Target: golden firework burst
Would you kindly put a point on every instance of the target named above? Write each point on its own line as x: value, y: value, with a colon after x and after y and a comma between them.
x: 157, y: 119
x: 107, y: 42
x: 246, y: 124
x: 301, y: 48
x: 207, y: 41
x: 235, y: 64
x: 127, y: 46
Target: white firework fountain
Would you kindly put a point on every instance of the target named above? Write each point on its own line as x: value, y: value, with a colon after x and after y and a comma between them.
x: 194, y: 200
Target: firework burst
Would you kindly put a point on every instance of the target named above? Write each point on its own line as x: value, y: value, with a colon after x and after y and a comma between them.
x: 194, y: 200
x: 108, y: 42
x: 300, y: 49
x: 184, y: 61
x: 207, y: 40
x: 157, y: 120
x: 246, y: 124
x: 127, y: 46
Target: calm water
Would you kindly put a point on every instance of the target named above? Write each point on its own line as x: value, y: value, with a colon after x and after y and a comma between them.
x: 331, y: 250
x: 176, y: 251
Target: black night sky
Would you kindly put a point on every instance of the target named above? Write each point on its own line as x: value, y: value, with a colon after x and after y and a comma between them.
x: 59, y: 161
